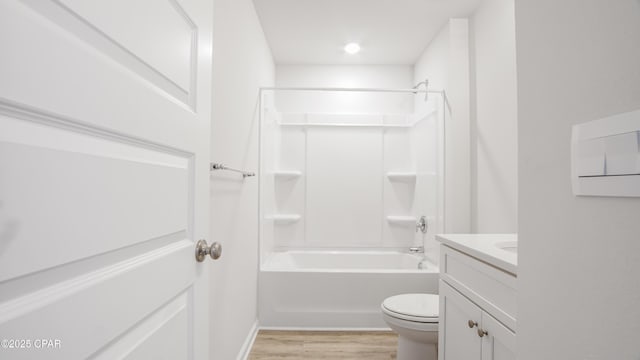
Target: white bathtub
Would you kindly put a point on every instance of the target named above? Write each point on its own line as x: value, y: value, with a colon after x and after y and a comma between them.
x: 337, y: 289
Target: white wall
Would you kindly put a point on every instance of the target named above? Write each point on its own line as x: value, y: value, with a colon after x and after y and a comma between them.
x: 494, y: 130
x: 344, y: 76
x: 344, y: 172
x: 426, y: 145
x: 242, y: 63
x: 579, y: 257
x: 445, y: 62
x: 476, y: 65
x: 343, y: 194
x: 434, y: 61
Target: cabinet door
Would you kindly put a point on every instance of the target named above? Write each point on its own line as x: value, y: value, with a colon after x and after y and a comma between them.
x: 457, y: 341
x: 499, y: 343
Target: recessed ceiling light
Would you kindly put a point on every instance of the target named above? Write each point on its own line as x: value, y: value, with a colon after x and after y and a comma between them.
x: 352, y: 48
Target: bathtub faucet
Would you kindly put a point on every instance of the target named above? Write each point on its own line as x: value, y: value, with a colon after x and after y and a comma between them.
x: 416, y: 249
x: 421, y: 225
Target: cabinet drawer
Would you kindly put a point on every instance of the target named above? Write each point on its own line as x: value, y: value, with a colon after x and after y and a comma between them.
x: 492, y: 289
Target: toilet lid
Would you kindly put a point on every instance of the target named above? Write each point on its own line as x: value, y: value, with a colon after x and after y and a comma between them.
x: 414, y: 307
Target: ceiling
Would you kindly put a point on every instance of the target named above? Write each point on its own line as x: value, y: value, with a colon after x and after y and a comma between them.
x: 389, y: 31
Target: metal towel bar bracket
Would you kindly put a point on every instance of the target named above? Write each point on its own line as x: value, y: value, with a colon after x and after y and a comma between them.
x: 216, y: 166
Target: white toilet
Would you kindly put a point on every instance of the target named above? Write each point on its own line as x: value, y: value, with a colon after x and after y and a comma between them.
x: 415, y: 318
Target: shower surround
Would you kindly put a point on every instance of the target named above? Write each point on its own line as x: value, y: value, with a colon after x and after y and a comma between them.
x: 345, y: 174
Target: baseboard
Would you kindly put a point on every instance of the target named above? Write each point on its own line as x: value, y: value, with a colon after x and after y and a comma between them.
x: 244, y: 352
x: 312, y: 328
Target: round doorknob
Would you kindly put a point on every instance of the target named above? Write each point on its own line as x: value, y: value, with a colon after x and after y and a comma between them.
x: 472, y: 323
x: 482, y: 333
x: 203, y: 249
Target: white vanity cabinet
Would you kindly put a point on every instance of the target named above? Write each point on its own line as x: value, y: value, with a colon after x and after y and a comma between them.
x: 471, y: 333
x: 477, y: 303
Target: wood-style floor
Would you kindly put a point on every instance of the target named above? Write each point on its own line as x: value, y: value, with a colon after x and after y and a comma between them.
x: 309, y: 345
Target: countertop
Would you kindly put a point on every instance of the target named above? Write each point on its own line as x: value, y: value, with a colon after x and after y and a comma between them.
x: 483, y: 247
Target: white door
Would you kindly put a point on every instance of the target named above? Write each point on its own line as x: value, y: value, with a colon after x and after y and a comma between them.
x: 458, y: 338
x: 500, y: 342
x: 104, y: 128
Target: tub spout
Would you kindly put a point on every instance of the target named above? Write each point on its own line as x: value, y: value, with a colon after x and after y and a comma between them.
x: 416, y: 249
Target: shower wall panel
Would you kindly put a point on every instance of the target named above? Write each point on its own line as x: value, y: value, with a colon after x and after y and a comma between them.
x: 289, y: 191
x: 344, y: 173
x: 399, y: 195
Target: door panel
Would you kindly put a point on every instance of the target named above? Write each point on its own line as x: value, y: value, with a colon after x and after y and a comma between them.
x: 500, y: 342
x: 104, y: 152
x: 456, y: 340
x: 163, y: 334
x: 89, y: 311
x: 83, y: 194
x: 67, y: 71
x: 162, y: 38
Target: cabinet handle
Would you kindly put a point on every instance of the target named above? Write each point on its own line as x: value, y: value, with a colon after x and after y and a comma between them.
x: 482, y: 333
x: 472, y: 324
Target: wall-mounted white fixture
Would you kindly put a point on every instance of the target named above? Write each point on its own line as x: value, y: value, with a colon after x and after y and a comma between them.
x: 287, y: 174
x: 283, y: 219
x: 605, y: 156
x: 402, y: 176
x: 352, y: 48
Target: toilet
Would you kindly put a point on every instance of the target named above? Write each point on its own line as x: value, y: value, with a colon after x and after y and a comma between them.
x: 414, y: 317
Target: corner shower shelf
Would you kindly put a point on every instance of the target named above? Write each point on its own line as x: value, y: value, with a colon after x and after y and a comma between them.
x: 401, y: 220
x: 402, y: 176
x: 287, y: 174
x: 284, y: 219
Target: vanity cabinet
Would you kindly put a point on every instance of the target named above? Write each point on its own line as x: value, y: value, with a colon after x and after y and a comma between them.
x: 471, y: 333
x: 477, y: 309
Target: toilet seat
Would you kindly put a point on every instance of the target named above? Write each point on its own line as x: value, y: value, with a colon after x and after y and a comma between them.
x: 422, y: 308
x: 414, y: 317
